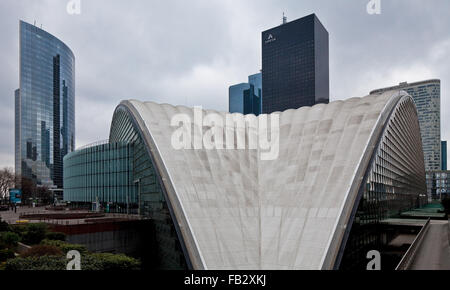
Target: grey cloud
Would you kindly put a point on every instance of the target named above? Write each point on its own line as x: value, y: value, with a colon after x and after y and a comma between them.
x: 189, y: 51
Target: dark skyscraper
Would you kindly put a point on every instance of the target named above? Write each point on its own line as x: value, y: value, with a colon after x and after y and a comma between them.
x: 44, y: 106
x: 295, y: 65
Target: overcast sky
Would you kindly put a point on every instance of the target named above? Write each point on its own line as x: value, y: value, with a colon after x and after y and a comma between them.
x: 188, y: 52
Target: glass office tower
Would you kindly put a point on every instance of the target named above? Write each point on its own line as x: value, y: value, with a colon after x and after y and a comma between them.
x: 256, y: 81
x: 236, y: 97
x: 44, y: 106
x: 295, y: 65
x: 246, y: 98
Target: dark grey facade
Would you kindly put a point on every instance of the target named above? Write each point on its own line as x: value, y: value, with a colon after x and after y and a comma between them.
x: 44, y: 107
x: 295, y: 65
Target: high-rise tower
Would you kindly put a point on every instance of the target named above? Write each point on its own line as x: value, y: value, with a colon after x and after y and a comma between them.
x: 295, y: 65
x: 44, y: 107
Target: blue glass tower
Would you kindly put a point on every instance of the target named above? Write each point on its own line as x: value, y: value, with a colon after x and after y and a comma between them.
x: 246, y: 98
x: 44, y: 107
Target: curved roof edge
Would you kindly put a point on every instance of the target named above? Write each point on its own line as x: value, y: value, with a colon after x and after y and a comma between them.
x: 179, y: 217
x: 349, y: 206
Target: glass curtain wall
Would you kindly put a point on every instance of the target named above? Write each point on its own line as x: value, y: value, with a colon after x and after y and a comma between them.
x: 151, y: 199
x: 103, y: 174
x: 394, y: 183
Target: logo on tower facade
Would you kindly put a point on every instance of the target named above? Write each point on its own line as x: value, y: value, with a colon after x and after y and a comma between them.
x: 270, y: 38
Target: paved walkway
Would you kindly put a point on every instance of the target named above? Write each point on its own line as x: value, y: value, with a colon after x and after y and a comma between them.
x: 434, y: 252
x: 11, y: 217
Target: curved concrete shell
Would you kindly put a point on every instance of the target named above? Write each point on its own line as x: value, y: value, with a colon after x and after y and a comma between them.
x: 234, y: 210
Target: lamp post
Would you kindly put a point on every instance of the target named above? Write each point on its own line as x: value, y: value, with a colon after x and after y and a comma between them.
x: 137, y: 185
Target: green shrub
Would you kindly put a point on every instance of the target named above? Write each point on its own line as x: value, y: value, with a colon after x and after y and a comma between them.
x: 4, y: 227
x: 9, y: 239
x: 34, y: 234
x: 65, y: 247
x: 89, y: 262
x: 55, y: 236
x: 19, y: 229
x: 42, y: 250
x: 6, y: 254
x: 109, y: 262
x: 44, y: 263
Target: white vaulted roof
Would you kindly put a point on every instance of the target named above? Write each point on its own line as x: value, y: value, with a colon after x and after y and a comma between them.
x: 236, y: 211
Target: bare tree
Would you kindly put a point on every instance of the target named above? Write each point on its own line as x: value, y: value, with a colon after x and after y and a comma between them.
x: 44, y: 194
x: 7, y: 181
x: 29, y: 189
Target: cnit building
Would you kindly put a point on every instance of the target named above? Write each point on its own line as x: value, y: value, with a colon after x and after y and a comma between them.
x: 44, y: 107
x: 342, y: 169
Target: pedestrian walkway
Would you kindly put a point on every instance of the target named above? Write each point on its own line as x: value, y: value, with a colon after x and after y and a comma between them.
x: 12, y: 217
x: 434, y: 251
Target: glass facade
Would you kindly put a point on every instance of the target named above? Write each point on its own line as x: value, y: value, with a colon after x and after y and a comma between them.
x: 101, y: 173
x: 256, y: 81
x: 236, y: 97
x: 438, y: 184
x: 393, y: 183
x: 246, y: 98
x: 295, y: 65
x: 151, y: 198
x: 444, y: 155
x: 427, y: 97
x: 44, y: 107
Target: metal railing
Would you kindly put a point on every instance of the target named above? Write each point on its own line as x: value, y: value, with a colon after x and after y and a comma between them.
x: 405, y: 263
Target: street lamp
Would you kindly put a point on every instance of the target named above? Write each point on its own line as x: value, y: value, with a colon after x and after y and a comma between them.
x: 137, y: 185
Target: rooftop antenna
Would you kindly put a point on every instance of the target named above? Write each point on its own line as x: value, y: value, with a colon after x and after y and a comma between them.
x: 35, y: 23
x: 284, y: 18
